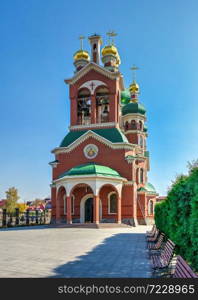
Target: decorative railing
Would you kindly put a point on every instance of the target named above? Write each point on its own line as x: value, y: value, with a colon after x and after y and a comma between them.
x: 26, y: 218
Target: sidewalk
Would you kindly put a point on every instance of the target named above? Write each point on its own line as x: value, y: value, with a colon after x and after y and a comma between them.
x: 74, y: 252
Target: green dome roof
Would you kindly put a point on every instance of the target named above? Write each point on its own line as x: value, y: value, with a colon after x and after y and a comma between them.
x: 133, y: 108
x: 125, y: 96
x: 91, y: 169
x: 149, y: 188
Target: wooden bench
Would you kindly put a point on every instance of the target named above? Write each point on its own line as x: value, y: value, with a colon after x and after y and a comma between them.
x: 152, y: 232
x: 158, y: 244
x: 182, y: 269
x: 153, y: 238
x: 163, y: 259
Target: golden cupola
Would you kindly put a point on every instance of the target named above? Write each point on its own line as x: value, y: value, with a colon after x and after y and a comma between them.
x: 81, y: 54
x: 134, y: 91
x: 81, y: 57
x: 110, y: 55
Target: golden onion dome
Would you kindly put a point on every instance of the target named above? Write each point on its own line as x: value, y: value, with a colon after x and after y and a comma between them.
x: 81, y: 54
x: 134, y: 87
x: 109, y: 50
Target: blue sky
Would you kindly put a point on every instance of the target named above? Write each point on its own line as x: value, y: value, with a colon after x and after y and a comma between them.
x: 38, y: 39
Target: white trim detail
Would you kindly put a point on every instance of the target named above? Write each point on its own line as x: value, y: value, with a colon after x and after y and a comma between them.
x: 96, y: 83
x: 101, y: 70
x: 92, y: 134
x: 90, y: 147
x: 82, y: 207
x: 94, y: 182
x: 97, y: 125
x: 130, y: 182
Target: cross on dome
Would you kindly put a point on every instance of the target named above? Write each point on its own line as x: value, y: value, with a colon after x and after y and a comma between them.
x: 81, y: 38
x: 111, y: 35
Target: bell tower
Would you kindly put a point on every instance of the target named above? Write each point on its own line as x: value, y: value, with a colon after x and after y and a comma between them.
x: 95, y: 89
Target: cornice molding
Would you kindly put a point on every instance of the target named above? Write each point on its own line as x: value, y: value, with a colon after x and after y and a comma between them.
x: 98, y: 68
x: 98, y: 125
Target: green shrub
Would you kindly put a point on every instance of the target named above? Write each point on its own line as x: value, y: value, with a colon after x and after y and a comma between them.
x: 177, y: 216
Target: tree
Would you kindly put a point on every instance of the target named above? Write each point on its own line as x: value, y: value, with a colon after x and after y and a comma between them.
x: 22, y: 207
x: 11, y: 199
x: 37, y: 202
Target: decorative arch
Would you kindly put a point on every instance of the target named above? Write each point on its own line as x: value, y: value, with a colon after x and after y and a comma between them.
x: 82, y: 207
x: 84, y: 106
x: 61, y: 193
x: 102, y: 104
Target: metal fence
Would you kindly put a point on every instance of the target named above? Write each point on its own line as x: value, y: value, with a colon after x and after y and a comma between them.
x: 26, y: 218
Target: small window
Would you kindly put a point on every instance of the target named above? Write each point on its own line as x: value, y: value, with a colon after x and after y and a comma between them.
x: 140, y: 125
x: 113, y: 204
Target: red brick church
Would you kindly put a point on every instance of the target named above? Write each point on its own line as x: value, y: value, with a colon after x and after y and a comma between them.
x: 100, y: 168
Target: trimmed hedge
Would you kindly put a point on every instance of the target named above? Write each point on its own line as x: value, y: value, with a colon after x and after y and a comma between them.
x: 177, y: 216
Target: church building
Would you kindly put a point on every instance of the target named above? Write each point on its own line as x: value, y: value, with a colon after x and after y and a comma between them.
x: 99, y: 174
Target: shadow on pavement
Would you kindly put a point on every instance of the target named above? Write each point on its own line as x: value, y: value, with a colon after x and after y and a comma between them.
x: 121, y: 255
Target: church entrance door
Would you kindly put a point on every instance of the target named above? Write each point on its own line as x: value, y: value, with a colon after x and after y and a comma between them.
x: 89, y: 210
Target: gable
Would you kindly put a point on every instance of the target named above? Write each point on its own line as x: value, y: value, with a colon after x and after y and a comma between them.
x: 113, y: 137
x: 98, y: 69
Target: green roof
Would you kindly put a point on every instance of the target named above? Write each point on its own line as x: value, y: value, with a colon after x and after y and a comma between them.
x: 133, y: 108
x: 125, y: 96
x: 149, y: 188
x: 114, y: 135
x: 90, y: 169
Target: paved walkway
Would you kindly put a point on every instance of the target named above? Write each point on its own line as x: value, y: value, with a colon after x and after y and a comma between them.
x: 74, y: 252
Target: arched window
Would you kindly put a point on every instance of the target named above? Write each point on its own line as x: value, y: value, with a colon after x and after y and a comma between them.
x: 133, y: 124
x: 84, y: 107
x: 102, y: 105
x: 141, y: 175
x: 112, y: 203
x: 150, y: 207
x: 140, y: 125
x: 65, y: 204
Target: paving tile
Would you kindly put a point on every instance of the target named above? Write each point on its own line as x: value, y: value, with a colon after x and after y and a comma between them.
x: 71, y: 252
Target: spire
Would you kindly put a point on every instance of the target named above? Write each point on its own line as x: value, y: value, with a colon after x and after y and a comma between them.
x: 95, y: 42
x: 81, y: 38
x: 134, y: 87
